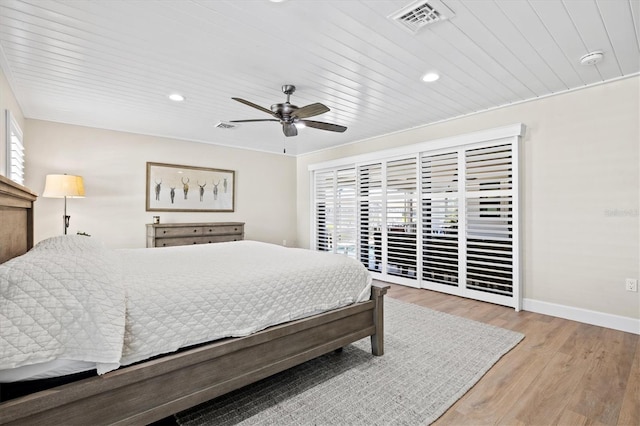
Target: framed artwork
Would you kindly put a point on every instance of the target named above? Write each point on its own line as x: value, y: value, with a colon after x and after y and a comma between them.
x: 175, y: 188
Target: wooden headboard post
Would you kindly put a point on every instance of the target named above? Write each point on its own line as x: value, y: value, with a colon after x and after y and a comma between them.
x: 16, y: 219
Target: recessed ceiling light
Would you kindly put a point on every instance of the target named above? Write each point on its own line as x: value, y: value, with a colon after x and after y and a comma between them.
x: 177, y: 97
x: 430, y: 77
x: 277, y: 1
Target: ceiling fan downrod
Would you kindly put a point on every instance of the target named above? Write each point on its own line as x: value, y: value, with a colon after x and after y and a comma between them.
x: 288, y: 89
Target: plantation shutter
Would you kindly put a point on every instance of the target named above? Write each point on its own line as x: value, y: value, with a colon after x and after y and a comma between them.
x: 324, y: 196
x: 402, y: 217
x: 371, y: 215
x: 15, y: 150
x: 489, y: 219
x: 345, y: 208
x: 335, y: 211
x: 440, y: 218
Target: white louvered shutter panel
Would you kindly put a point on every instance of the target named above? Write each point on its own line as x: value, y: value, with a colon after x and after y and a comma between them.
x: 370, y: 215
x: 324, y: 186
x: 402, y: 217
x: 345, y: 209
x: 15, y: 150
x: 439, y: 174
x: 489, y: 219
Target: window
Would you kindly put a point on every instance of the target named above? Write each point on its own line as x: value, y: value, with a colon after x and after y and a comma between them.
x: 15, y: 150
x: 442, y: 218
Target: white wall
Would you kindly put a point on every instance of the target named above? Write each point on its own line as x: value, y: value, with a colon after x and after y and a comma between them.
x: 581, y: 191
x: 113, y: 165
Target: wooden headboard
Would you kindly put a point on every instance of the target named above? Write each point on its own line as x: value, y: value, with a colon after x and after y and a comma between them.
x: 16, y: 219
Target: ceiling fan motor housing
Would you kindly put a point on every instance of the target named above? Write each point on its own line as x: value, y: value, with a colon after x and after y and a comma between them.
x: 284, y: 110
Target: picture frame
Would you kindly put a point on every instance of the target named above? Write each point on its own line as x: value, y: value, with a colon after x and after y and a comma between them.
x: 179, y: 188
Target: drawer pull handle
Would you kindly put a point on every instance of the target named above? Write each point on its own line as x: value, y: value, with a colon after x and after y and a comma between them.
x: 194, y: 242
x: 195, y: 230
x: 164, y: 244
x: 210, y: 229
x: 235, y: 229
x: 164, y: 232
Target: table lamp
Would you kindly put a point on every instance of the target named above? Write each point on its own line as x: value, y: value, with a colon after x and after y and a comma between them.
x: 64, y: 186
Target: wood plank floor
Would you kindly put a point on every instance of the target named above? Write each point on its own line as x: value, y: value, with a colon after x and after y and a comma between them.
x: 562, y: 373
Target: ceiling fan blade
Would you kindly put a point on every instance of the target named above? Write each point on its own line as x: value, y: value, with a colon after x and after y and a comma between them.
x: 289, y: 129
x: 324, y: 126
x: 251, y: 121
x: 251, y: 104
x: 310, y: 110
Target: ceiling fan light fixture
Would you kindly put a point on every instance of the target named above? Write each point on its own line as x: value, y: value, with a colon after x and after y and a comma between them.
x: 430, y: 77
x: 176, y: 97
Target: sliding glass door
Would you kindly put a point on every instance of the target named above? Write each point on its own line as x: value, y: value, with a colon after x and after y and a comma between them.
x: 444, y: 219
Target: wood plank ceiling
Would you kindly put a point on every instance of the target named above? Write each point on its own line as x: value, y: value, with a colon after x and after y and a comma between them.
x: 112, y: 63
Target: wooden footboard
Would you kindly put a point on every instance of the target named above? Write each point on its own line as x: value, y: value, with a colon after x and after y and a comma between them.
x: 155, y: 389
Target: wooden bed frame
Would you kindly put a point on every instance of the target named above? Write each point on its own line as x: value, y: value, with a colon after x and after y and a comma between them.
x: 155, y: 389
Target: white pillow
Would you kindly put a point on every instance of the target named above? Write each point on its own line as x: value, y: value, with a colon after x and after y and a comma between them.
x: 73, y: 243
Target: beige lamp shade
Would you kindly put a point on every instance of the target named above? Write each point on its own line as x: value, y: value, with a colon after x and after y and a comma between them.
x: 59, y: 186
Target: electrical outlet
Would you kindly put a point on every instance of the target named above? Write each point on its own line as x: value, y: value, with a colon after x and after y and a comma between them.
x: 631, y: 284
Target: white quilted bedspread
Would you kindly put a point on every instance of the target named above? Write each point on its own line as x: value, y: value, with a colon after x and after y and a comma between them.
x: 117, y: 307
x: 62, y: 304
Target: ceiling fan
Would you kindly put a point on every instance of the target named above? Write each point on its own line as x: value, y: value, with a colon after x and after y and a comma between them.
x: 290, y: 115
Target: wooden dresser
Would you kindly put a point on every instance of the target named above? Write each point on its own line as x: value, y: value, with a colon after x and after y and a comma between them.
x: 180, y: 234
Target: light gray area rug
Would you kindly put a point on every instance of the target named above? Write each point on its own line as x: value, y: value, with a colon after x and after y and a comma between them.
x: 431, y: 359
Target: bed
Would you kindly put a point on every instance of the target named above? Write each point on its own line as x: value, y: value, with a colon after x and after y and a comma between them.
x: 149, y: 389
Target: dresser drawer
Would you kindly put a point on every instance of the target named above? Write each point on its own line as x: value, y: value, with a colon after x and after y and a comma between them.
x: 218, y: 230
x: 186, y: 241
x: 181, y: 234
x: 179, y: 231
x: 172, y: 242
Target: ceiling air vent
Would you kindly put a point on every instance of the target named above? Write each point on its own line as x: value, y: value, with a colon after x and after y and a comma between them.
x: 421, y: 13
x: 225, y: 125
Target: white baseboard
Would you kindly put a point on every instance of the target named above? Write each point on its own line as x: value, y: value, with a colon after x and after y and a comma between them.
x: 616, y: 322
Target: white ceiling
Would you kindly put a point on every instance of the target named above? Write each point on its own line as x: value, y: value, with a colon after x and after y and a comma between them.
x: 112, y: 63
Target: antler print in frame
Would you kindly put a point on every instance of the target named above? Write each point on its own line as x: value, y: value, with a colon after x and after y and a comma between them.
x: 163, y: 179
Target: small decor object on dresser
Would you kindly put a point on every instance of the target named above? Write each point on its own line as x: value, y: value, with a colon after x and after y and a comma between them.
x: 172, y: 187
x: 181, y: 234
